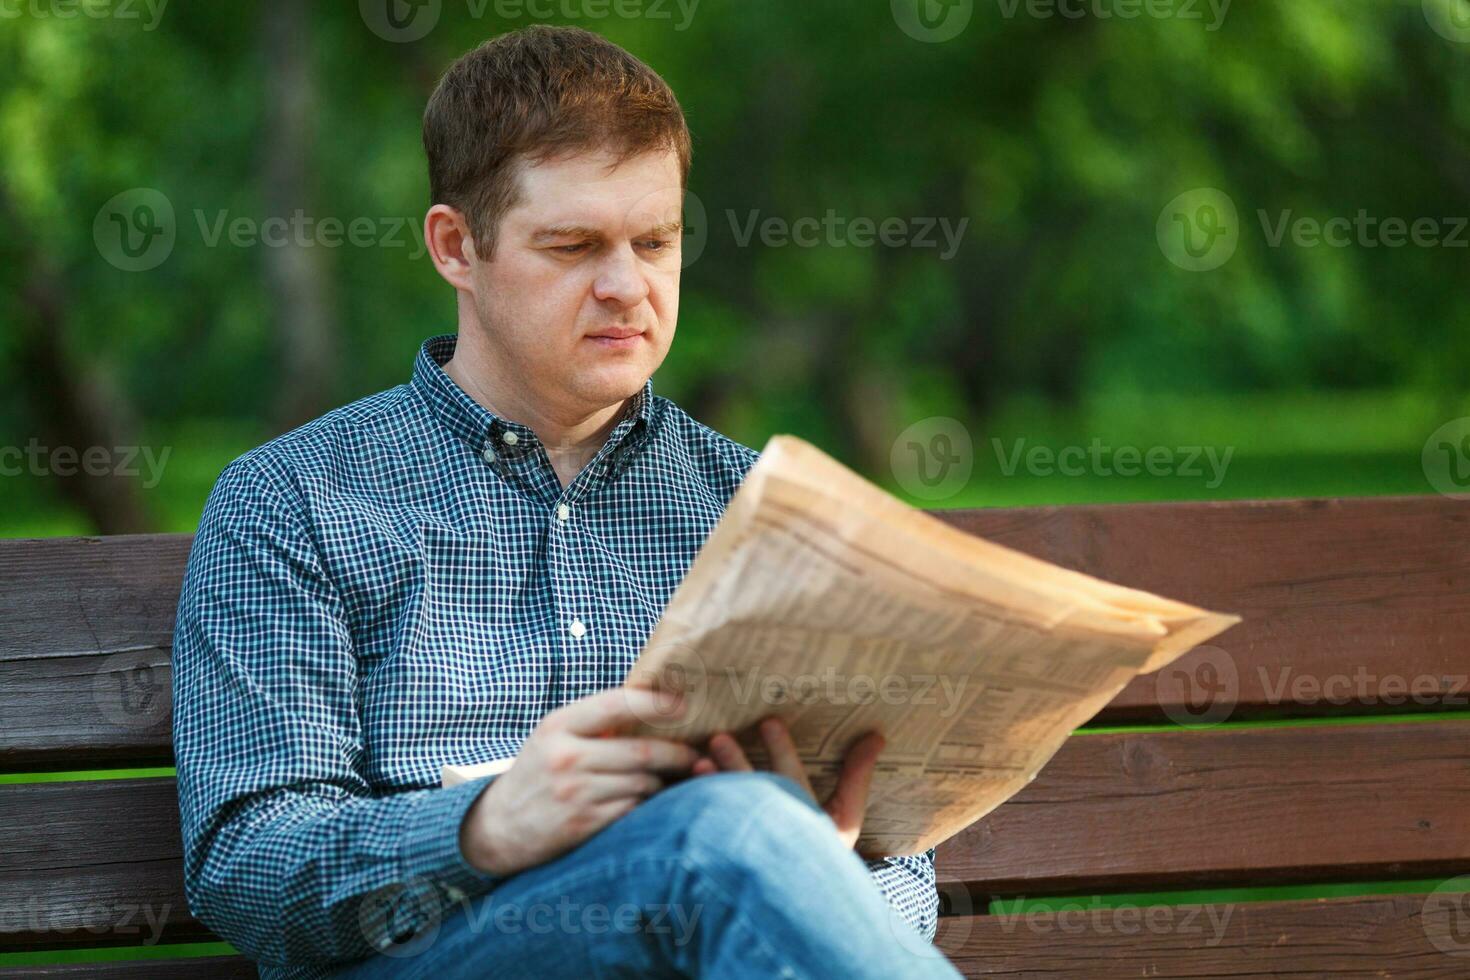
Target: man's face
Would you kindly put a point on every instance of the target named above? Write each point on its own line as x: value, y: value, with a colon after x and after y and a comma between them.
x: 581, y: 296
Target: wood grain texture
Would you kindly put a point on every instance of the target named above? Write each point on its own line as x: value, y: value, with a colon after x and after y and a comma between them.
x: 1111, y: 813
x: 201, y: 968
x: 84, y: 650
x: 1352, y: 606
x: 92, y: 864
x: 1400, y: 937
x: 1123, y: 812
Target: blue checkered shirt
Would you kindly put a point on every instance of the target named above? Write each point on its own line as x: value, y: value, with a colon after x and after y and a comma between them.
x: 393, y: 587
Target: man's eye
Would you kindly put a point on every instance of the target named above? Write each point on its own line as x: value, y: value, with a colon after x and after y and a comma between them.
x: 657, y: 244
x: 577, y: 249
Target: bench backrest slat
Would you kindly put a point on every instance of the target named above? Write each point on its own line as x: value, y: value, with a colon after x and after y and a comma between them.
x: 1375, y: 588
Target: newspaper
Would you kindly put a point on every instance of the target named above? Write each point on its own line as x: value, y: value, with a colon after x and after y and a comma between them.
x: 824, y: 600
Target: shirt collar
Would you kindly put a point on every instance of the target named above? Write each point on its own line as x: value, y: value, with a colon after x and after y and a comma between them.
x: 483, y: 430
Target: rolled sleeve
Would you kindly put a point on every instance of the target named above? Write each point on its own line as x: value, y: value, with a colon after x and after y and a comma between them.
x: 288, y: 852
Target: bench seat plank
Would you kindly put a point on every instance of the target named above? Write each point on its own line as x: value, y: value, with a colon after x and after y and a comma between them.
x: 1382, y: 938
x: 1113, y: 812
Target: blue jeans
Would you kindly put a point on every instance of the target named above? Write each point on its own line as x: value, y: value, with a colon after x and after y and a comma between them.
x: 730, y: 875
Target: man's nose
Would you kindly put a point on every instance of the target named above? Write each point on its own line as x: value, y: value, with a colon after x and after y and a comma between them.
x: 621, y: 278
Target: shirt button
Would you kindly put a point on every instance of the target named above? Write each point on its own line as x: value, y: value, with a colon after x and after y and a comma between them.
x: 563, y: 512
x: 578, y: 628
x: 489, y: 454
x: 510, y: 438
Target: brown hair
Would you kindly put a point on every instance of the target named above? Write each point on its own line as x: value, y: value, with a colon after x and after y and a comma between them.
x: 535, y: 94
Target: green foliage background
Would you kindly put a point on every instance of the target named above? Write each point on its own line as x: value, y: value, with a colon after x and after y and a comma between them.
x: 1058, y: 321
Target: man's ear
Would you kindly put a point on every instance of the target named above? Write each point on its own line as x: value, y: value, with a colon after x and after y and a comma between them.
x: 450, y: 244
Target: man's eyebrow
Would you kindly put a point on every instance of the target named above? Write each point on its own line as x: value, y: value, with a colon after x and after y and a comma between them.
x: 564, y: 231
x: 667, y: 229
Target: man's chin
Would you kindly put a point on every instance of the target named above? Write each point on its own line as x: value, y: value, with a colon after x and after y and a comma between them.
x: 608, y: 386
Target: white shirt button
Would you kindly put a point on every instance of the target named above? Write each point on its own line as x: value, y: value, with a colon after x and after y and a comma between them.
x: 578, y: 628
x: 510, y: 438
x: 563, y: 512
x: 489, y: 454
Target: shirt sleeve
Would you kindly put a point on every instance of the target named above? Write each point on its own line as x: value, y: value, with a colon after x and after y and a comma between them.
x: 908, y: 884
x: 288, y: 853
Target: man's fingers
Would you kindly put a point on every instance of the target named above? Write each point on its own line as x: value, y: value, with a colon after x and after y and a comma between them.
x: 784, y: 757
x: 850, y: 799
x: 625, y: 754
x: 727, y: 753
x: 619, y: 708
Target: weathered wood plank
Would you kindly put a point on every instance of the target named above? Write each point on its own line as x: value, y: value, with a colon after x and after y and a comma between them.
x: 201, y: 968
x: 84, y: 649
x: 1227, y: 806
x: 92, y: 864
x: 1401, y: 937
x: 1111, y: 813
x: 1351, y: 606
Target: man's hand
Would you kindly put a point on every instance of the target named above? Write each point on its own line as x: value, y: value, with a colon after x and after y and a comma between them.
x: 848, y: 801
x: 570, y: 780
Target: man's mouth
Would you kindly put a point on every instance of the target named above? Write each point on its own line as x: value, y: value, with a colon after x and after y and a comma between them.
x: 617, y: 338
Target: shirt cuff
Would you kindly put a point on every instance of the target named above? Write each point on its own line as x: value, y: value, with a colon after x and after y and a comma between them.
x: 437, y: 879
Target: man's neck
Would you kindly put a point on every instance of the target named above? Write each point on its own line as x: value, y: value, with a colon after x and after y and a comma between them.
x: 571, y: 438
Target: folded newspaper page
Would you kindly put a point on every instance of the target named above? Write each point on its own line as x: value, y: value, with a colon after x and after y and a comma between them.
x: 824, y: 600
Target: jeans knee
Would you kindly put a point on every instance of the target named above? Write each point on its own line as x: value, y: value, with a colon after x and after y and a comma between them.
x: 750, y: 818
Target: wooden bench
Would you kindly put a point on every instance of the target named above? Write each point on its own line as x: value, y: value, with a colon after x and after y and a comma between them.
x: 1354, y: 608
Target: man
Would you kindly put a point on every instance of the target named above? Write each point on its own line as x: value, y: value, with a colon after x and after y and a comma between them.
x: 463, y: 568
